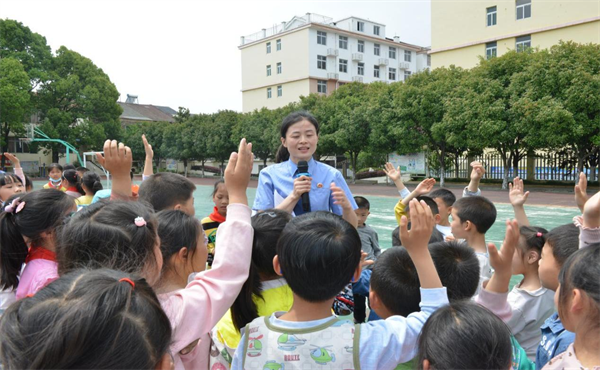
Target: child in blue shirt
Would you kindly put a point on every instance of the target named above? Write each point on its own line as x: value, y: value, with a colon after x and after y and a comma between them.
x: 318, y: 254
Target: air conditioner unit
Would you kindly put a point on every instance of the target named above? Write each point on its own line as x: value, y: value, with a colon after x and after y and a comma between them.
x: 357, y: 79
x: 333, y: 76
x: 383, y: 61
x: 404, y: 65
x: 357, y: 56
x: 333, y: 52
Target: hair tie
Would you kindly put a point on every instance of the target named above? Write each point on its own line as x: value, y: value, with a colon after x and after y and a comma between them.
x: 539, y: 234
x: 15, y: 206
x: 139, y: 221
x: 128, y: 280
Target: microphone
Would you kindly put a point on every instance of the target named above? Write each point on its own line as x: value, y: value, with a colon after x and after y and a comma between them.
x: 303, y: 171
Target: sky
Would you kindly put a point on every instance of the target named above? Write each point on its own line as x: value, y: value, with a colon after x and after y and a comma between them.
x: 184, y: 53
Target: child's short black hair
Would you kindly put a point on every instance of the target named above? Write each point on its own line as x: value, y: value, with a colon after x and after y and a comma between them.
x: 177, y: 230
x: 165, y: 190
x: 318, y: 253
x: 216, y: 187
x: 55, y: 165
x: 362, y: 203
x: 564, y: 241
x: 68, y: 167
x: 436, y: 236
x: 445, y: 195
x: 396, y: 282
x: 82, y: 169
x: 478, y: 210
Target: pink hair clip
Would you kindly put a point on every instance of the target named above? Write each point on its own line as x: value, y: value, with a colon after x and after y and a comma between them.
x: 539, y: 234
x: 139, y: 221
x: 14, y: 206
x: 20, y: 207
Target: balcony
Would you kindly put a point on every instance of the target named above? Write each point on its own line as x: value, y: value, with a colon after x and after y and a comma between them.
x: 357, y: 57
x: 331, y: 52
x: 404, y: 65
x: 383, y: 61
x: 333, y: 76
x: 357, y: 79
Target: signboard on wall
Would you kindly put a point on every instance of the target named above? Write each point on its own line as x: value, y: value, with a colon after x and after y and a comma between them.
x: 409, y: 163
x: 171, y: 165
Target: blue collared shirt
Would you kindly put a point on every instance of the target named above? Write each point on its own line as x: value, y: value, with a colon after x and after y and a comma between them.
x: 555, y: 340
x: 276, y: 182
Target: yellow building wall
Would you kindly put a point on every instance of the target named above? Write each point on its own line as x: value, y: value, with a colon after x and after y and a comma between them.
x: 464, y: 24
x: 293, y: 57
x: 257, y: 98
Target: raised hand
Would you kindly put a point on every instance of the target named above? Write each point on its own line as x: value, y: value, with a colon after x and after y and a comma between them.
x: 478, y: 170
x: 581, y: 191
x: 591, y: 212
x: 147, y: 147
x: 13, y: 159
x: 391, y: 172
x: 424, y: 186
x: 515, y: 194
x: 501, y: 260
x: 238, y: 171
x: 117, y: 160
x: 422, y: 224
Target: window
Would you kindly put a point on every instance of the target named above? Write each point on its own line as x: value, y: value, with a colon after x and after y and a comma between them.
x: 490, y: 50
x: 278, y: 45
x: 322, y: 86
x: 523, y: 43
x: 279, y: 68
x: 407, y: 55
x: 279, y: 91
x: 343, y: 42
x: 268, y: 70
x: 428, y: 60
x: 268, y: 93
x: 361, y: 46
x: 392, y: 53
x: 360, y: 26
x: 376, y: 71
x: 343, y: 65
x: 321, y: 38
x: 376, y: 48
x: 491, y: 16
x: 376, y: 30
x: 268, y: 48
x: 406, y: 75
x: 361, y: 69
x: 321, y: 62
x: 392, y: 74
x: 523, y: 9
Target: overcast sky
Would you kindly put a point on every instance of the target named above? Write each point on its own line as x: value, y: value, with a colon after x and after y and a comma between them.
x: 185, y: 53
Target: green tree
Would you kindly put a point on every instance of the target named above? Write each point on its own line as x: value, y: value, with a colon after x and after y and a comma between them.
x: 220, y: 145
x: 178, y: 143
x: 14, y: 100
x: 261, y: 128
x: 79, y: 103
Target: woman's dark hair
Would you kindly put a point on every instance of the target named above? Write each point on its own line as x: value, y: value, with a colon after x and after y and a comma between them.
x: 535, y: 238
x: 216, y: 187
x: 104, y: 235
x: 464, y: 335
x: 176, y: 230
x: 268, y: 226
x: 318, y: 253
x: 282, y: 154
x: 92, y: 181
x: 43, y: 210
x: 87, y: 319
x: 55, y: 165
x: 581, y: 271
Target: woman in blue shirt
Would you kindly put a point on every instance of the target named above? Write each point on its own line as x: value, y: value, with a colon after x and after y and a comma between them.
x: 280, y: 187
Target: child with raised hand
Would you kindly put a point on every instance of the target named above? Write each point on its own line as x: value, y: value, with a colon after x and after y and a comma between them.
x: 88, y: 319
x: 123, y: 235
x: 264, y: 292
x: 55, y: 172
x: 578, y: 302
x: 464, y: 335
x: 318, y: 253
x: 17, y: 169
x: 423, y: 188
x: 518, y: 197
x: 27, y: 235
x: 211, y: 223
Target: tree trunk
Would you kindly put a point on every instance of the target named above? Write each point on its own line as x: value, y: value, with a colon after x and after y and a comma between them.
x: 185, y: 165
x: 203, y: 161
x: 265, y: 161
x: 516, y: 159
x: 354, y: 159
x: 442, y: 168
x: 5, y: 146
x: 222, y: 169
x: 581, y: 156
x: 506, y: 164
x: 456, y: 166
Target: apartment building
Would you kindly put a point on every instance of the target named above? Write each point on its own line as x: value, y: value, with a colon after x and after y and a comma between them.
x: 463, y: 31
x: 314, y: 54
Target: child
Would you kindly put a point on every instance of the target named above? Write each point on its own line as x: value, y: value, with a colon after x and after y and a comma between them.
x: 472, y: 217
x: 27, y: 235
x: 88, y: 319
x: 370, y: 245
x: 81, y: 171
x: 55, y: 179
x: 71, y: 182
x: 123, y: 235
x: 318, y: 253
x: 464, y: 335
x: 445, y: 200
x: 578, y: 302
x: 90, y: 184
x: 531, y: 303
x: 168, y: 191
x: 264, y: 292
x: 401, y: 210
x: 9, y: 185
x: 217, y: 217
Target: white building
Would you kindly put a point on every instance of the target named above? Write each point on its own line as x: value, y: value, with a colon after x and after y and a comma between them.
x: 313, y: 54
